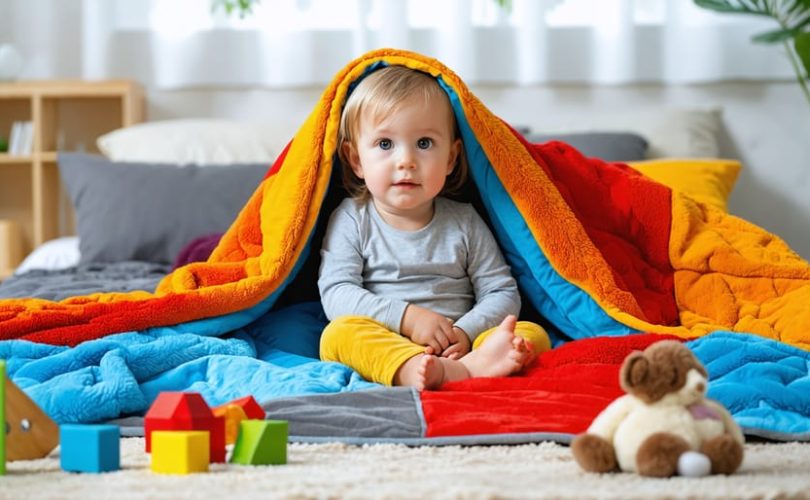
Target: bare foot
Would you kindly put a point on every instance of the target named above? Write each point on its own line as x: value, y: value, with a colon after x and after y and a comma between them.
x: 423, y: 371
x: 523, y: 345
x: 430, y: 372
x: 501, y: 354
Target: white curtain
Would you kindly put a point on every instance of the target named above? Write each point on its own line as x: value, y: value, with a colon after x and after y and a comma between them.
x: 294, y: 43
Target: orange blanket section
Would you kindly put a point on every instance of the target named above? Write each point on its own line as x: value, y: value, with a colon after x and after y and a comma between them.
x: 653, y: 259
x: 730, y: 272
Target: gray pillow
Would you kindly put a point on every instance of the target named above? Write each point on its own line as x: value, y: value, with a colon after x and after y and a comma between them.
x: 143, y: 211
x: 608, y: 146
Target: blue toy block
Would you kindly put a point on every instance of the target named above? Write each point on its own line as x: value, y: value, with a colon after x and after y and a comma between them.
x: 90, y: 448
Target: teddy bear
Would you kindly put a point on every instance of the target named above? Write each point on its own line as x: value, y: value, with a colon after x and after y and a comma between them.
x: 664, y: 426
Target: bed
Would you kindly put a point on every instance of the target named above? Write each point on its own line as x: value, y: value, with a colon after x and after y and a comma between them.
x: 143, y: 211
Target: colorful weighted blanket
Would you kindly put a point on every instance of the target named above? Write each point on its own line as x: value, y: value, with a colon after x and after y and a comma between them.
x: 600, y: 251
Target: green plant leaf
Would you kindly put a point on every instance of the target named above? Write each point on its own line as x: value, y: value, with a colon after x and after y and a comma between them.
x: 802, y: 46
x: 504, y: 4
x: 242, y: 7
x: 775, y: 36
x: 735, y: 6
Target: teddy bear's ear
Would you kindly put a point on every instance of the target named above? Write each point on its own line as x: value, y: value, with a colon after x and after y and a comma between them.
x: 635, y: 370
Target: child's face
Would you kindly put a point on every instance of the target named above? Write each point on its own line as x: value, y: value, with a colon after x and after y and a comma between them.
x: 406, y: 157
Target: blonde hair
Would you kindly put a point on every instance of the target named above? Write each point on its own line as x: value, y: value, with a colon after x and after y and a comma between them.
x: 378, y: 94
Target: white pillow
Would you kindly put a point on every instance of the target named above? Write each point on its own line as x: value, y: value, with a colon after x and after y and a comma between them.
x: 198, y: 141
x: 60, y: 253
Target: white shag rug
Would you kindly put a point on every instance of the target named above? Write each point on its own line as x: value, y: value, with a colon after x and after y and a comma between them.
x: 332, y: 470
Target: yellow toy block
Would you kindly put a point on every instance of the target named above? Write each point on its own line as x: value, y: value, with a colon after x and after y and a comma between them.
x: 233, y: 416
x: 180, y: 452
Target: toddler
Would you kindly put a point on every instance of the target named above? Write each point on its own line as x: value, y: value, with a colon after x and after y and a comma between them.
x: 413, y: 283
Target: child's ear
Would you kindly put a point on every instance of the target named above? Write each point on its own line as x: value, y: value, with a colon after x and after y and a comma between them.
x: 455, y: 150
x: 350, y: 153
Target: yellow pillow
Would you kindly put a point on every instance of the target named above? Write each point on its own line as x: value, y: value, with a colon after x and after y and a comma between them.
x: 707, y: 180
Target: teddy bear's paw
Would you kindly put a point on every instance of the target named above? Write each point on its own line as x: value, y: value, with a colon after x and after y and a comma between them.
x: 658, y: 454
x: 694, y: 464
x: 593, y: 453
x: 725, y: 453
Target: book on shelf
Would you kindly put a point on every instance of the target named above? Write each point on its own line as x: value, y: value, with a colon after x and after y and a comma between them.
x: 21, y: 139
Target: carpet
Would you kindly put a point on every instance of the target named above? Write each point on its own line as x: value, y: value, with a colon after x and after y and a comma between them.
x: 332, y: 470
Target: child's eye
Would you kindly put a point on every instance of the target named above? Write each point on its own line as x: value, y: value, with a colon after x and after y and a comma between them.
x: 424, y: 143
x: 385, y: 144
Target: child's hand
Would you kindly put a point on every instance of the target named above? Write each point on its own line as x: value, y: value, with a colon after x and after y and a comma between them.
x: 428, y: 328
x: 460, y: 348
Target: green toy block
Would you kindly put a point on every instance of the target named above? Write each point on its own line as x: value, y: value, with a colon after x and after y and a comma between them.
x: 261, y: 442
x: 2, y: 417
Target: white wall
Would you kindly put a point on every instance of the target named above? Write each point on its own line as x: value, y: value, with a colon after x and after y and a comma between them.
x: 767, y: 126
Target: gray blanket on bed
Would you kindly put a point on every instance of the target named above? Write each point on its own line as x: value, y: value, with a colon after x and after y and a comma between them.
x: 84, y: 279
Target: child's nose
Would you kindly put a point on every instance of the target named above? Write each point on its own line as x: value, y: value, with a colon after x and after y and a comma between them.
x: 405, y: 159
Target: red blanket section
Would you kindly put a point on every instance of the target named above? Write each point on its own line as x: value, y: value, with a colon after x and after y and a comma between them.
x: 622, y: 212
x: 561, y: 393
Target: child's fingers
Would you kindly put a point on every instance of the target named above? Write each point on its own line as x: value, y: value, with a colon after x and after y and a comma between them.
x: 442, y: 339
x: 435, y: 346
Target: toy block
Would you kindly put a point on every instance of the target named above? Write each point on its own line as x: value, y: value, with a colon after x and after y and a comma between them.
x: 89, y: 448
x: 29, y: 433
x: 261, y: 442
x: 233, y: 416
x: 185, y: 411
x: 180, y: 452
x: 252, y: 409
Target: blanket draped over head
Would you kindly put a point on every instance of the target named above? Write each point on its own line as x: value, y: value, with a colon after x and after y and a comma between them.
x: 597, y: 248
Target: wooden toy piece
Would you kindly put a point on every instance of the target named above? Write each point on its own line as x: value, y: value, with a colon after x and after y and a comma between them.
x: 261, y: 442
x: 252, y: 409
x: 2, y: 417
x: 29, y: 432
x: 180, y: 452
x: 185, y: 411
x: 233, y: 416
x: 89, y: 448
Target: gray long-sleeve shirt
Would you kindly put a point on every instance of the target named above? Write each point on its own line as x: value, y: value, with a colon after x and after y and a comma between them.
x: 451, y: 266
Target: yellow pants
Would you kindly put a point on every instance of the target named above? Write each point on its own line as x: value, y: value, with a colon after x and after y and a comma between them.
x: 376, y: 352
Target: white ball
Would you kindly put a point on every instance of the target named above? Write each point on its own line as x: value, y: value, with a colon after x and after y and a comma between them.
x: 694, y: 464
x: 10, y: 62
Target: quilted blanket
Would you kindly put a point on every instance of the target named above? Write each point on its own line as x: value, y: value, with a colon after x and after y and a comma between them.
x: 600, y: 251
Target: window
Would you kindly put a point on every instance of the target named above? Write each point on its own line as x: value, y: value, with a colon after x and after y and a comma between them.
x: 290, y: 43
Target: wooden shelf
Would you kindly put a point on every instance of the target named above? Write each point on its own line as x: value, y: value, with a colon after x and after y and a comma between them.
x: 67, y: 115
x: 7, y: 158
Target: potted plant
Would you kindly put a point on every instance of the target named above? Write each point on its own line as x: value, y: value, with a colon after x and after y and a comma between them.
x: 793, y: 32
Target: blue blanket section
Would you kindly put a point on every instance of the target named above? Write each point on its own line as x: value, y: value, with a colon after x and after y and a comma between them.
x: 765, y: 384
x: 122, y: 374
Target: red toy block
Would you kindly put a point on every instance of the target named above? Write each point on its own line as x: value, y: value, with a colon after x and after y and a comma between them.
x: 249, y: 405
x: 185, y: 411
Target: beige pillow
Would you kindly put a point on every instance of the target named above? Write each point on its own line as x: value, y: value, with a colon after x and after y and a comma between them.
x: 670, y: 132
x: 191, y: 141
